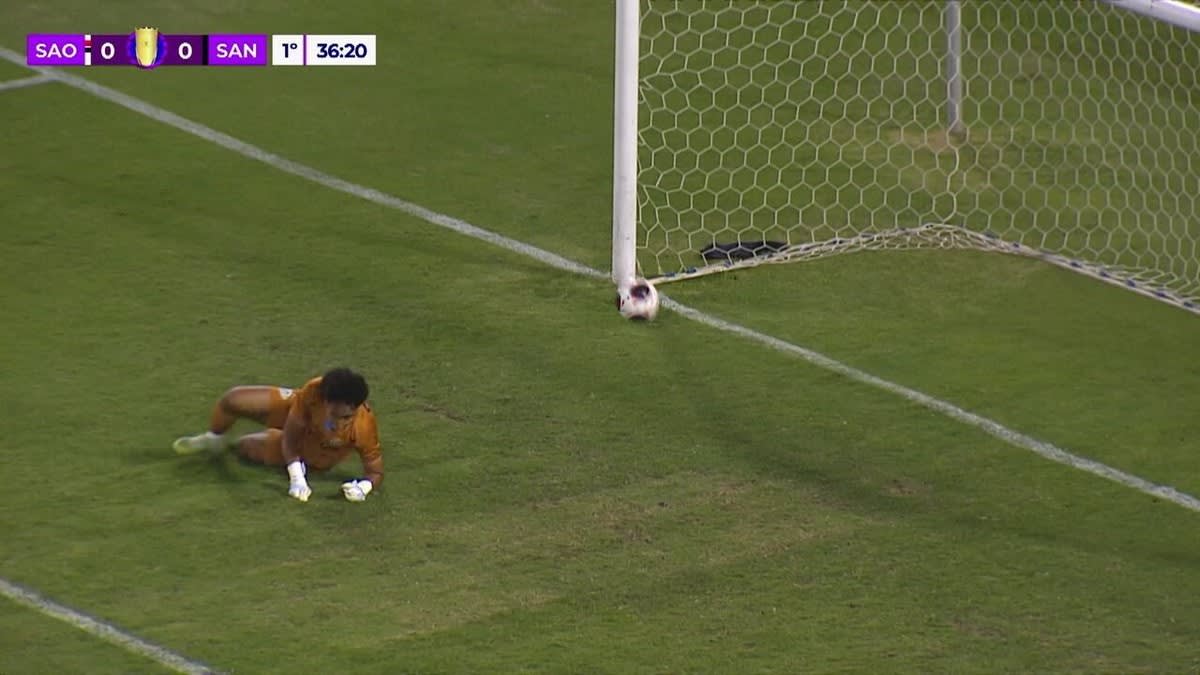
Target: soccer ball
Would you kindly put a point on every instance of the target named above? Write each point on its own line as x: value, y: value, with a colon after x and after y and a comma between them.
x: 638, y: 300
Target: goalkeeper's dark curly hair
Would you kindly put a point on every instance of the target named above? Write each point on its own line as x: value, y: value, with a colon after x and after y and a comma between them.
x: 342, y: 385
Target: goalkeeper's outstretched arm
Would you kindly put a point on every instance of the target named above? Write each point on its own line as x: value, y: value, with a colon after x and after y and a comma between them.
x: 293, y: 437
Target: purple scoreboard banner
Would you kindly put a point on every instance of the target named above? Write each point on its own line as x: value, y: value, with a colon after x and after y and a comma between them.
x: 146, y: 48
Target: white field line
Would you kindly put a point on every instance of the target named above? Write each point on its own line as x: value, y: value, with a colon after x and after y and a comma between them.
x: 1041, y: 448
x: 103, y: 630
x: 25, y: 82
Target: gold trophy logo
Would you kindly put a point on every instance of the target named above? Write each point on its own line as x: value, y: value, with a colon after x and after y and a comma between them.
x: 146, y: 46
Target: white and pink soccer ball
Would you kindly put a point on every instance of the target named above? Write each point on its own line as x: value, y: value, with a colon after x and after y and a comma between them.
x: 637, y: 300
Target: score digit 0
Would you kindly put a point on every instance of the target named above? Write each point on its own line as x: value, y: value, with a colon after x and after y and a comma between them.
x: 186, y: 50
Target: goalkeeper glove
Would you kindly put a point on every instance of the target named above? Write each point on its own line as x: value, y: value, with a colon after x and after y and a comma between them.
x: 357, y: 490
x: 298, y: 487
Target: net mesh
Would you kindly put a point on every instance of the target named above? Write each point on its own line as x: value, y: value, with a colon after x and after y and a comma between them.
x: 801, y: 129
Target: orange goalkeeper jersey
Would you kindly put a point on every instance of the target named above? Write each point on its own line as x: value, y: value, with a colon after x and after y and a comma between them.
x: 326, y: 444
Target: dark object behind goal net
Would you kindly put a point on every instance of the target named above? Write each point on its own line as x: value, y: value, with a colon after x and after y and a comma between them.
x: 741, y: 250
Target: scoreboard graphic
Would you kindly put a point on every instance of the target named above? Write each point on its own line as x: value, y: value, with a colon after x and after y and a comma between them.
x: 146, y: 48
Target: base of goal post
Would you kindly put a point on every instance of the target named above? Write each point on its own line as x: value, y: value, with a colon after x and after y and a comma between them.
x: 929, y: 236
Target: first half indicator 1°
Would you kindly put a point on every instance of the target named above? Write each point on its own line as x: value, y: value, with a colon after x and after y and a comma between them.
x: 287, y: 50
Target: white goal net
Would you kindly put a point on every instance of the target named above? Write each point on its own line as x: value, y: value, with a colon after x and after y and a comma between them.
x: 778, y: 131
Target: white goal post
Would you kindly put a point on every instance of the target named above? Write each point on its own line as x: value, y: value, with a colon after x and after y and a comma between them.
x: 750, y: 132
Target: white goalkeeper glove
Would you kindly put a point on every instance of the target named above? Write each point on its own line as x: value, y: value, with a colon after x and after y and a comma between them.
x: 357, y: 490
x: 298, y: 488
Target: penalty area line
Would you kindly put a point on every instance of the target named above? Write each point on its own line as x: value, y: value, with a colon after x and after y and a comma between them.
x: 25, y: 82
x: 103, y: 630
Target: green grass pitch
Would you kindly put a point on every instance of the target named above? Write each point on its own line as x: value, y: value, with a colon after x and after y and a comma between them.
x: 566, y: 491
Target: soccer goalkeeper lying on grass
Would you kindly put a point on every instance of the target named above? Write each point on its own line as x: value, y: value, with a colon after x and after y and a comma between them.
x: 314, y: 427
